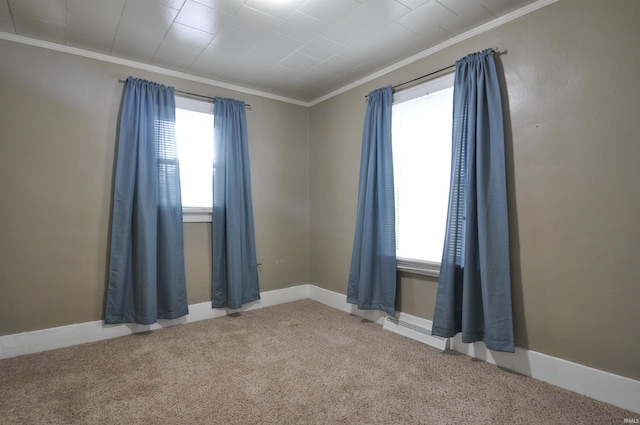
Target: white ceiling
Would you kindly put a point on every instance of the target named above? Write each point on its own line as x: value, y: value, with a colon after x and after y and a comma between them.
x: 297, y: 49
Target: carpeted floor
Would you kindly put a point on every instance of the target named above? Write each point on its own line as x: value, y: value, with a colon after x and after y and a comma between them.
x: 296, y: 363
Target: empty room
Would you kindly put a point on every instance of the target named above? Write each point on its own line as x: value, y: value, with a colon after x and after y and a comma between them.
x: 319, y: 211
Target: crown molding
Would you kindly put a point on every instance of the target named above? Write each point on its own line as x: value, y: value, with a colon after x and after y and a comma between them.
x: 448, y: 43
x: 145, y: 67
x: 177, y: 74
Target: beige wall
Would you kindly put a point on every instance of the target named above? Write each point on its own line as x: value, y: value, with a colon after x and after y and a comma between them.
x: 58, y: 120
x: 571, y: 77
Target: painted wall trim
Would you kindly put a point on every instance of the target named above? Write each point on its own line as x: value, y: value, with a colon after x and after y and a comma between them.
x: 604, y: 386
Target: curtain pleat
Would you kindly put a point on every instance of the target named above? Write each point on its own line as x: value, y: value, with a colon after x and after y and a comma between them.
x: 372, y: 275
x: 474, y: 288
x: 235, y: 266
x: 146, y: 259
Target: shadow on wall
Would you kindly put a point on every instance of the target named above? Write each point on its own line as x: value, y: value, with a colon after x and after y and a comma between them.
x: 517, y: 298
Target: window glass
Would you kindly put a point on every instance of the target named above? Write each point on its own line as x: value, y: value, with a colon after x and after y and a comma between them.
x: 421, y: 126
x: 194, y: 135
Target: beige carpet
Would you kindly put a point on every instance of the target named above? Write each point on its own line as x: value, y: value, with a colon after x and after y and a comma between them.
x: 296, y: 363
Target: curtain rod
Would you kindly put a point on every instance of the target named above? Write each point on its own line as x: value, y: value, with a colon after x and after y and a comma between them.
x: 212, y: 99
x: 393, y: 88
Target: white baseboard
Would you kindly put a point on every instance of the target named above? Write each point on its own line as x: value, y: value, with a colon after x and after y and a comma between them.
x: 405, y: 325
x: 604, y: 386
x: 600, y: 385
x: 339, y: 301
x: 66, y: 336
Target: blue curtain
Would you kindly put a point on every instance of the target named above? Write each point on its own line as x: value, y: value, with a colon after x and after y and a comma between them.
x: 235, y: 267
x: 146, y: 261
x: 372, y: 276
x: 474, y: 290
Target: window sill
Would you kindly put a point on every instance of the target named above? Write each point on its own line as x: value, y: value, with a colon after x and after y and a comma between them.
x: 196, y: 215
x: 427, y: 268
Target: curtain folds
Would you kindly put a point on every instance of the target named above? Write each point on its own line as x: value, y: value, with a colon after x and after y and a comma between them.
x: 474, y: 289
x: 235, y: 266
x: 146, y: 260
x: 372, y: 275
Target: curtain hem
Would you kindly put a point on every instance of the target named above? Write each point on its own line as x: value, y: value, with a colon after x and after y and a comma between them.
x: 470, y: 338
x: 390, y: 311
x: 111, y: 320
x: 235, y: 306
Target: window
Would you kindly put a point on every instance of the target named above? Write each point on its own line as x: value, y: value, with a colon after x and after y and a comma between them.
x: 194, y: 135
x: 421, y: 137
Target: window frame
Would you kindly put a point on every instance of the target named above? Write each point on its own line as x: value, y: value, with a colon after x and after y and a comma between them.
x: 412, y: 265
x: 196, y: 214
